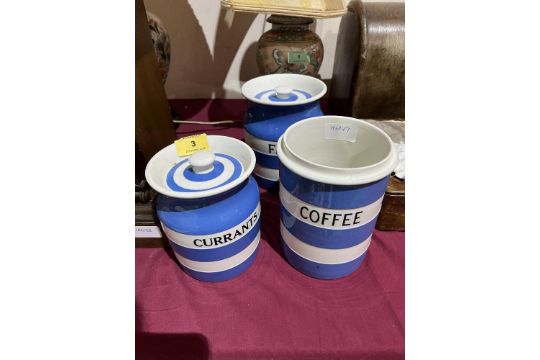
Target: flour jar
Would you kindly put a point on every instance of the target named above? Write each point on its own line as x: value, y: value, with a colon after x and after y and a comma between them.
x: 275, y: 102
x: 208, y: 206
x: 333, y: 174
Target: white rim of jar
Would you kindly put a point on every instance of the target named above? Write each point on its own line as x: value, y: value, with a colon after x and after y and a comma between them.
x: 269, y: 82
x: 247, y: 170
x: 336, y: 175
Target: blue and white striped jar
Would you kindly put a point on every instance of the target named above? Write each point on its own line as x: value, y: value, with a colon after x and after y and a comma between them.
x: 209, y: 207
x: 275, y: 102
x: 333, y: 175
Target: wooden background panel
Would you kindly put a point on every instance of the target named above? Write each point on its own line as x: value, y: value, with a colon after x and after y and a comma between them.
x: 154, y: 128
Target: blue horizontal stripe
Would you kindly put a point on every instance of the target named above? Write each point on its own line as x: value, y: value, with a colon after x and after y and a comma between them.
x: 259, y: 95
x: 214, y: 173
x: 318, y: 270
x: 305, y: 93
x: 292, y: 97
x: 331, y: 196
x: 269, y: 122
x: 266, y: 184
x: 268, y: 161
x: 274, y: 98
x: 222, y: 275
x: 176, y: 187
x: 209, y: 215
x: 220, y: 253
x: 326, y: 238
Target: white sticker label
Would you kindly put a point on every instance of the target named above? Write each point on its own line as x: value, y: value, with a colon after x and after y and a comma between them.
x: 146, y: 231
x: 340, y: 132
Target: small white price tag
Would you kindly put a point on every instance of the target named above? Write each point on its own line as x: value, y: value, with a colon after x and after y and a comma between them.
x: 340, y: 132
x: 147, y: 231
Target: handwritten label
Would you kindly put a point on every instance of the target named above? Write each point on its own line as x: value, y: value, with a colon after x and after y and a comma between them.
x: 191, y: 144
x: 145, y: 231
x: 340, y: 132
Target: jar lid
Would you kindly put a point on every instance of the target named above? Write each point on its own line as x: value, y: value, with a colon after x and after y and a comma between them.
x: 227, y: 163
x: 284, y: 89
x: 337, y: 150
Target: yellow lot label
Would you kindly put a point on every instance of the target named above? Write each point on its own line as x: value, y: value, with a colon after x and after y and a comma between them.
x: 191, y: 144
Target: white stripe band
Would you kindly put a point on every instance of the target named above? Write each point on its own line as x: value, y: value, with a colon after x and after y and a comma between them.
x: 321, y: 255
x: 333, y: 219
x: 221, y: 265
x: 263, y: 146
x: 218, y: 239
x: 267, y: 173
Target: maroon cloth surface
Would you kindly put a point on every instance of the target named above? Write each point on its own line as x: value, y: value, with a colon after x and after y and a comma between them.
x: 271, y: 311
x: 218, y: 109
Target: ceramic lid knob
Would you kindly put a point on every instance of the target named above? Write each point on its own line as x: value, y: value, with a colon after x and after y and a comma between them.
x: 202, y: 161
x: 283, y: 92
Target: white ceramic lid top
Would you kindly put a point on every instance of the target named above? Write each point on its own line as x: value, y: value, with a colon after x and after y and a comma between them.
x: 227, y: 163
x: 284, y: 89
x: 202, y: 161
x: 337, y: 150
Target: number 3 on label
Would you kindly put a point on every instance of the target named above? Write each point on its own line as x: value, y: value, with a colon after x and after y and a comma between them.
x: 191, y: 144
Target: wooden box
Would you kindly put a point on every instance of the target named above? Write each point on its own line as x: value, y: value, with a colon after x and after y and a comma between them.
x: 392, y: 215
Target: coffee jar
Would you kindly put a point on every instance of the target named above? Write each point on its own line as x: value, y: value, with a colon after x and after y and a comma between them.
x: 333, y: 175
x: 208, y: 206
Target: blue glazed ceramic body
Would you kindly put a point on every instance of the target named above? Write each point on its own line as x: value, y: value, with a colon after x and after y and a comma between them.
x: 264, y: 124
x: 214, y: 238
x: 276, y: 102
x: 208, y: 206
x: 333, y: 174
x: 319, y: 220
